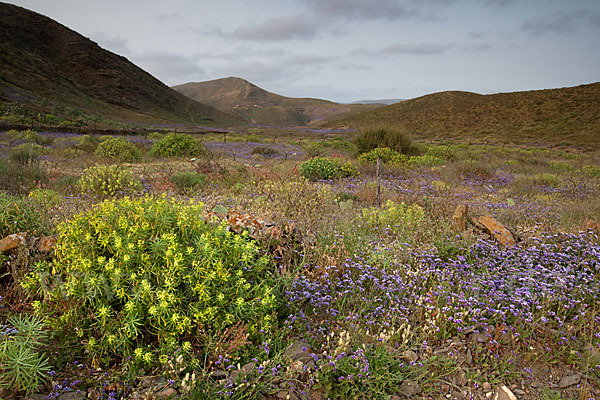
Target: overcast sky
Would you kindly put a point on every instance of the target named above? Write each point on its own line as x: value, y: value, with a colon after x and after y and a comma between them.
x: 347, y: 50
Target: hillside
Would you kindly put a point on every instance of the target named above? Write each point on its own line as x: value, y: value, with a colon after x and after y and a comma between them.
x: 46, y: 67
x: 248, y: 101
x: 569, y: 116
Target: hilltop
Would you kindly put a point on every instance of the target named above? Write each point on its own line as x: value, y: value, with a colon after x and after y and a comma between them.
x: 48, y: 68
x: 567, y: 116
x: 248, y: 101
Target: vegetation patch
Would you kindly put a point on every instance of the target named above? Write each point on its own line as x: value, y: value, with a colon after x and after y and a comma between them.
x: 326, y: 168
x: 178, y: 145
x: 108, y: 180
x: 118, y: 149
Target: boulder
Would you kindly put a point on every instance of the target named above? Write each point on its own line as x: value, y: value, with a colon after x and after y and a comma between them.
x: 497, y: 230
x: 459, y: 219
x: 13, y: 241
x: 504, y: 393
x: 46, y: 244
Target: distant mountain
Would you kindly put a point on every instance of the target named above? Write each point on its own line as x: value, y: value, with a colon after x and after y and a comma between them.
x: 248, y: 101
x: 379, y: 101
x: 46, y: 67
x: 569, y: 116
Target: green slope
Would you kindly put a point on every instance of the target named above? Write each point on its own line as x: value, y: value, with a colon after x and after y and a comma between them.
x: 569, y: 116
x: 48, y: 67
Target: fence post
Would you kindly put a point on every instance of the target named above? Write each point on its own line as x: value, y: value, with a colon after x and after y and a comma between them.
x: 378, y: 182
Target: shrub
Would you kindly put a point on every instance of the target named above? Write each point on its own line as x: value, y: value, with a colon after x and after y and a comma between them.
x: 29, y: 136
x: 26, y: 153
x: 22, y: 367
x: 326, y: 168
x: 265, y: 151
x: 88, y: 143
x: 118, y: 149
x: 386, y: 155
x: 591, y: 170
x: 46, y: 198
x: 156, y: 135
x: 186, y: 181
x: 178, y: 145
x: 19, y: 215
x: 314, y: 149
x: 396, y: 140
x: 425, y: 161
x: 140, y: 277
x: 18, y: 178
x: 443, y: 152
x: 108, y: 180
x: 393, y: 214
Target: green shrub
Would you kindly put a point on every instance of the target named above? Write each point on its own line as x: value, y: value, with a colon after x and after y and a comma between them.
x: 314, y: 149
x: 88, y: 143
x: 108, y: 180
x: 18, y: 178
x: 396, y: 140
x: 187, y: 181
x: 144, y: 277
x: 118, y: 149
x: 546, y: 179
x: 46, y: 198
x: 394, y: 214
x: 591, y: 170
x: 29, y: 136
x: 326, y: 168
x: 156, y: 135
x: 425, y: 161
x: 264, y: 151
x: 22, y: 367
x: 178, y: 145
x: 386, y: 155
x: 443, y: 152
x: 26, y: 153
x: 19, y: 215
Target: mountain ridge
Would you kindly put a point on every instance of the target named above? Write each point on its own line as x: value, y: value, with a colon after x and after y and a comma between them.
x: 44, y: 61
x: 247, y: 100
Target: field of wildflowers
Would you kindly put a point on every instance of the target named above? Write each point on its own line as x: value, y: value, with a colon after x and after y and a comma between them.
x: 149, y: 293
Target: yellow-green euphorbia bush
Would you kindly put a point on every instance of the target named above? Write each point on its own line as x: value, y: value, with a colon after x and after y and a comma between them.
x: 135, y: 275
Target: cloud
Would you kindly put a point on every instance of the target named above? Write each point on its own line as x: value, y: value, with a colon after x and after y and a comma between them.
x: 164, y: 17
x: 172, y: 68
x: 414, y: 49
x: 561, y: 22
x: 115, y: 44
x: 359, y: 9
x: 499, y: 3
x: 276, y: 29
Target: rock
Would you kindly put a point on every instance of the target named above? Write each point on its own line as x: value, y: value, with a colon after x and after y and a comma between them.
x: 410, y: 388
x: 504, y: 393
x: 569, y: 380
x: 479, y: 337
x: 469, y: 357
x: 497, y: 230
x: 459, y: 219
x: 409, y: 356
x: 46, y: 244
x: 165, y: 393
x: 486, y: 387
x: 93, y: 394
x: 13, y: 241
x: 461, y: 378
x: 243, y: 372
x: 147, y: 381
x: 395, y: 397
x: 286, y: 394
x: 36, y: 396
x: 592, y: 226
x: 78, y: 395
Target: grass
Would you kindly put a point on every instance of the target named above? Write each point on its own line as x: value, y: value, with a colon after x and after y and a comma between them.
x: 381, y: 298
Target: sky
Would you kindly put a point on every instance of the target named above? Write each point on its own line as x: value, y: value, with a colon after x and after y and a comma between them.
x: 348, y: 50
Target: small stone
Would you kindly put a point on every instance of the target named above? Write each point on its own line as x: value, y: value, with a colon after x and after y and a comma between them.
x: 13, y: 241
x: 461, y: 379
x: 165, y: 393
x: 79, y: 395
x: 469, y: 358
x: 147, y: 381
x: 479, y: 337
x: 395, y: 397
x: 298, y: 350
x: 520, y: 392
x: 569, y: 380
x: 410, y: 388
x: 459, y: 219
x: 35, y: 396
x: 93, y: 394
x: 409, y: 356
x: 486, y: 387
x: 243, y: 372
x: 286, y: 394
x: 489, y: 395
x: 504, y: 393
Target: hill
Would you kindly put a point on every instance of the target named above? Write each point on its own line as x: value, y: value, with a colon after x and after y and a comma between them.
x: 378, y: 101
x: 248, y: 101
x: 47, y: 67
x: 569, y: 116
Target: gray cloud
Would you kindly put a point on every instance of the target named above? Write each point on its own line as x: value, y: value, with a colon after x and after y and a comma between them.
x: 499, y: 3
x: 373, y: 9
x: 276, y: 29
x: 173, y: 68
x: 561, y: 22
x: 163, y: 17
x: 116, y: 44
x: 414, y: 49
